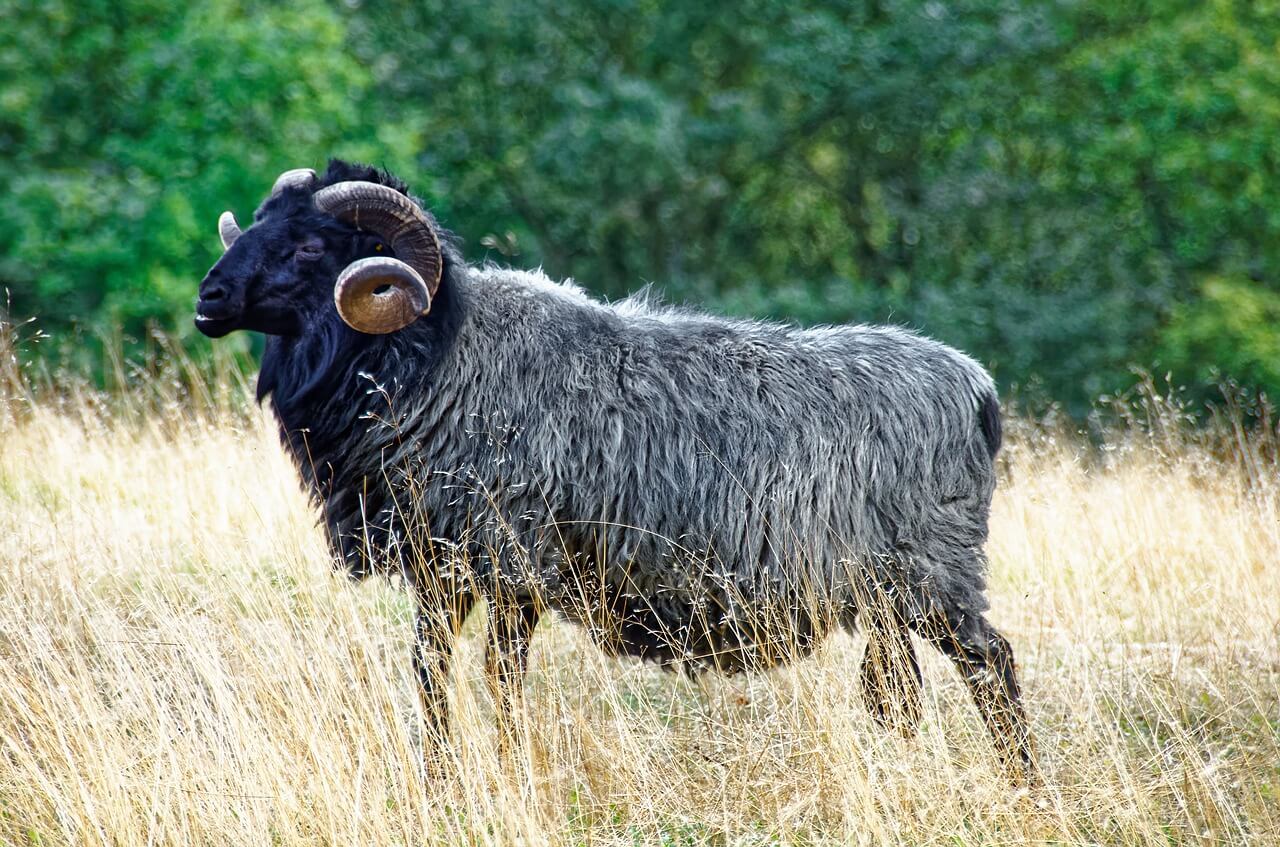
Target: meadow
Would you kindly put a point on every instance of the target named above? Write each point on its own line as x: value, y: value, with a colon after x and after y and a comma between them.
x: 179, y: 664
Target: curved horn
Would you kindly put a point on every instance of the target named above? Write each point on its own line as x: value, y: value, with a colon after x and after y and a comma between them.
x: 296, y: 178
x: 380, y: 295
x: 228, y: 229
x: 407, y: 284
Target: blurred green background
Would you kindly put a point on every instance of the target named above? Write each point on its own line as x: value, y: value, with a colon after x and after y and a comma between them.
x: 1064, y: 189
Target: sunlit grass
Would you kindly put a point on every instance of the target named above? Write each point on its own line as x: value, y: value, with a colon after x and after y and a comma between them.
x: 178, y: 664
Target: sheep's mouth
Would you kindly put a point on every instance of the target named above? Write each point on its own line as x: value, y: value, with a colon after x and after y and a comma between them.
x: 216, y: 327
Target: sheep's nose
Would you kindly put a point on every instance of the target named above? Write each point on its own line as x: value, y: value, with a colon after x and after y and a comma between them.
x: 212, y: 289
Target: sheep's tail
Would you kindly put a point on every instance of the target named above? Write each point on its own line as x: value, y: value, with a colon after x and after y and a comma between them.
x: 989, y: 420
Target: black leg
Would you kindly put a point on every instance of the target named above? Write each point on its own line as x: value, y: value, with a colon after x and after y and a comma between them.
x: 511, y: 625
x: 439, y: 619
x: 985, y: 660
x: 891, y: 676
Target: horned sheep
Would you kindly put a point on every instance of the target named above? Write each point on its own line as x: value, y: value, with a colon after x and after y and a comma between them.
x: 701, y: 492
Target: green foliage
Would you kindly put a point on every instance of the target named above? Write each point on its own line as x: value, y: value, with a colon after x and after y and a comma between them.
x: 129, y: 127
x: 1230, y: 331
x: 1048, y: 185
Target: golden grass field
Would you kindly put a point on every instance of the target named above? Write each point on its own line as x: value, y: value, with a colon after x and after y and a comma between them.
x: 179, y: 665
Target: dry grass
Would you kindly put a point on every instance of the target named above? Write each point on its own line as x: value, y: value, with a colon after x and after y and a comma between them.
x: 179, y: 665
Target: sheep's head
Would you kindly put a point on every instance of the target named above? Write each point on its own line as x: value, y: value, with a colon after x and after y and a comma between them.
x: 360, y: 245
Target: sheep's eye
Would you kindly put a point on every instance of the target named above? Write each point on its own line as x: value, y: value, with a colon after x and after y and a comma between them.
x: 309, y: 251
x: 377, y: 247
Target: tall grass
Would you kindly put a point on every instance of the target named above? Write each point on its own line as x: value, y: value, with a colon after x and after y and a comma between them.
x: 178, y: 664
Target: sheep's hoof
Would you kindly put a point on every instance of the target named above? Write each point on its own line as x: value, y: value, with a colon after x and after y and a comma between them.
x: 901, y: 715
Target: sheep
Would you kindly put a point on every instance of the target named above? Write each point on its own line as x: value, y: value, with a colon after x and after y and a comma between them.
x: 700, y: 492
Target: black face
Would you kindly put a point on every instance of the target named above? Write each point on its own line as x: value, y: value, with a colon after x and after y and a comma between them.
x: 278, y: 276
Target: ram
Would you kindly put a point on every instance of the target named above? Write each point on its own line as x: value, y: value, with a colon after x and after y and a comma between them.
x: 700, y: 492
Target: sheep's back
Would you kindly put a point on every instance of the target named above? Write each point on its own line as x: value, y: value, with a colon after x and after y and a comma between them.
x: 688, y: 455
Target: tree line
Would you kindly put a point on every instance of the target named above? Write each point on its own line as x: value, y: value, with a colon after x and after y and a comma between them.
x: 1067, y: 190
